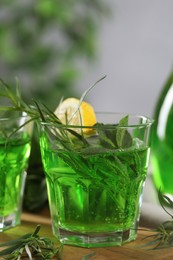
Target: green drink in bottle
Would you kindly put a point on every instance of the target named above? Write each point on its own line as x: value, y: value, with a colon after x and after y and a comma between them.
x: 162, y: 140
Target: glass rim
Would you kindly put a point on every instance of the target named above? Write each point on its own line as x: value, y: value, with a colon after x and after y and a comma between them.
x: 149, y: 122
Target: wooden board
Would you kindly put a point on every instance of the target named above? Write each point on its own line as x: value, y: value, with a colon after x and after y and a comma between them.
x: 131, y: 250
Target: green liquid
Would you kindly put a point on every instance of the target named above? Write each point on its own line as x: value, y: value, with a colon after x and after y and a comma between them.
x: 13, y: 162
x: 162, y: 163
x: 95, y: 193
x: 162, y: 140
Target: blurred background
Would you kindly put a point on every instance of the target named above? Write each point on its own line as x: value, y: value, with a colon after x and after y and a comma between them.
x: 135, y: 51
x: 59, y: 48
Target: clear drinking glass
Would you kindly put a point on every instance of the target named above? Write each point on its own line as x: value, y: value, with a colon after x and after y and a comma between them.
x: 14, y: 153
x: 95, y: 180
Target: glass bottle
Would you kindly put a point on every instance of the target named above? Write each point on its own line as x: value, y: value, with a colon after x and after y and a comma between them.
x: 162, y: 140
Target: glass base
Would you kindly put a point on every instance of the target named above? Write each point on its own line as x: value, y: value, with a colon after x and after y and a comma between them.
x: 117, y: 238
x: 9, y: 221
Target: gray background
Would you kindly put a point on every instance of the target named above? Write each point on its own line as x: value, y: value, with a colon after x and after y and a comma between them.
x: 135, y: 51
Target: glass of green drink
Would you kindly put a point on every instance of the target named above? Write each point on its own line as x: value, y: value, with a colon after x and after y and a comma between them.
x: 14, y: 154
x: 95, y: 180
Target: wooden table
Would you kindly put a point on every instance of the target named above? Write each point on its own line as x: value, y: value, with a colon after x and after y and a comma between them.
x: 128, y: 251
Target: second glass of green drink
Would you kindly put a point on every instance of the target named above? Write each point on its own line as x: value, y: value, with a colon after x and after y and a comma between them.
x: 95, y: 178
x: 15, y: 145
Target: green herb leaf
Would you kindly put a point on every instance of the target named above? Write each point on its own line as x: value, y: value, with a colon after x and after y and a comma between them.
x: 123, y: 137
x: 127, y: 140
x: 32, y: 246
x: 121, y: 131
x: 165, y: 201
x: 163, y: 235
x: 107, y: 136
x: 114, y: 136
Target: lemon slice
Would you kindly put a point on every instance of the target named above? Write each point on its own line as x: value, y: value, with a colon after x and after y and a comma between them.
x: 69, y: 112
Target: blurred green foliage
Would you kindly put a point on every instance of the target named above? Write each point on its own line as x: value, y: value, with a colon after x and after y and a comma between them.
x: 42, y: 42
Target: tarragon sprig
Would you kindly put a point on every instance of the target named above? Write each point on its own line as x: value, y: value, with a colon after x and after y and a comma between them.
x: 30, y: 246
x: 17, y: 103
x: 163, y: 235
x: 38, y: 111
